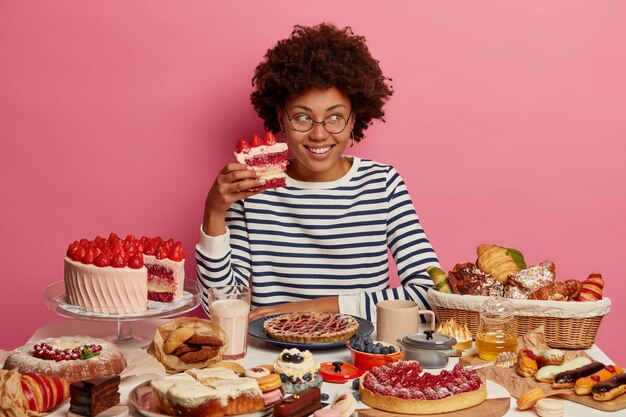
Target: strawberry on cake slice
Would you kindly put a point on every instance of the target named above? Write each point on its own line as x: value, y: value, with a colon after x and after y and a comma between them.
x: 266, y: 156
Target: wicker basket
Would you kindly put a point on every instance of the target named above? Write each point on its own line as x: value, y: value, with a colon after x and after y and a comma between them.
x: 568, y: 325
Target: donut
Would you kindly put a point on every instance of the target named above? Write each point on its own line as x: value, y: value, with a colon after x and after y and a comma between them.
x: 269, y: 382
x: 549, y: 407
x: 257, y: 372
x: 528, y: 399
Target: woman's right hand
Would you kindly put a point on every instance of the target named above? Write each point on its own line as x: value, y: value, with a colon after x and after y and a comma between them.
x: 232, y: 184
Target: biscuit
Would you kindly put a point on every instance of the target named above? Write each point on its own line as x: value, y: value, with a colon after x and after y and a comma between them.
x: 269, y: 382
x: 197, y: 339
x: 528, y: 399
x: 182, y: 349
x: 177, y: 338
x: 207, y: 352
x: 233, y: 366
x: 549, y: 407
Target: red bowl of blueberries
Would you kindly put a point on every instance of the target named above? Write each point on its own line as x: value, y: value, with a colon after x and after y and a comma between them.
x: 367, y: 353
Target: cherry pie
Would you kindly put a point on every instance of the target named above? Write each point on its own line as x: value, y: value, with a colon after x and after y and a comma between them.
x: 311, y: 327
x: 400, y: 387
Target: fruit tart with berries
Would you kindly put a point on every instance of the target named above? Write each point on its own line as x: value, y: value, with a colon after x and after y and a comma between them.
x: 402, y: 387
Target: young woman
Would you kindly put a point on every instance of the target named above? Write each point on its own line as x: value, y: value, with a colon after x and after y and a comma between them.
x: 321, y: 242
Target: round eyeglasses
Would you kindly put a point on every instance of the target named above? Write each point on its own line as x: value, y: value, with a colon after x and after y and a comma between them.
x: 333, y: 124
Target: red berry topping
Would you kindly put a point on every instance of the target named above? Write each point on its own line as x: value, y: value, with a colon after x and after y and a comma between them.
x: 610, y: 368
x: 84, y: 243
x: 135, y: 261
x: 530, y: 354
x: 89, y: 257
x: 269, y: 139
x: 79, y: 254
x: 71, y: 250
x: 151, y: 248
x: 243, y: 146
x: 102, y: 260
x: 595, y: 378
x: 130, y: 238
x: 177, y: 253
x: 113, y: 237
x: 256, y: 141
x: 162, y: 252
x: 118, y: 260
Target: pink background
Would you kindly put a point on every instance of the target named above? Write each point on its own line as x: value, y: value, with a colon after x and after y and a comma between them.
x: 507, y: 124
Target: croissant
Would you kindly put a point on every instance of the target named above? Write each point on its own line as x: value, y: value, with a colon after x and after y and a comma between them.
x: 592, y: 288
x: 440, y: 279
x: 31, y: 393
x: 499, y: 262
x: 558, y: 291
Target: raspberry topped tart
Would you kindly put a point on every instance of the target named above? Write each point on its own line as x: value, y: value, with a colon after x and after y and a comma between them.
x: 74, y: 358
x: 116, y: 276
x: 311, y: 327
x: 401, y: 387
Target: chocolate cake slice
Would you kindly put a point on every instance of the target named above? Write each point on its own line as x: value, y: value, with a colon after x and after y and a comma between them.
x: 93, y: 396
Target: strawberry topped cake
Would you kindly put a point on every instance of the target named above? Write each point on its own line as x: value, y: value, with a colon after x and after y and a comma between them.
x: 401, y: 387
x: 117, y: 276
x: 266, y: 156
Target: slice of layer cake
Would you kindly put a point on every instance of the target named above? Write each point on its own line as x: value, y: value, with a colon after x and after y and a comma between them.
x: 93, y: 396
x: 266, y: 156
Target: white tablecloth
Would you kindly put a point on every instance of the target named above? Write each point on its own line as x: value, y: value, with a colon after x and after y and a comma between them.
x: 260, y: 353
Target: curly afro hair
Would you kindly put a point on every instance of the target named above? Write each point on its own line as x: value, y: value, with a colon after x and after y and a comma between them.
x: 321, y: 57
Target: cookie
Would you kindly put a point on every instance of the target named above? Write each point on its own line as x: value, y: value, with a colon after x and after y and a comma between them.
x: 182, y: 349
x: 205, y: 340
x: 207, y: 352
x: 177, y: 338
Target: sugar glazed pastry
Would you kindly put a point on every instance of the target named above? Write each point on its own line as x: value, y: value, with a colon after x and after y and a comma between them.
x: 499, y: 262
x: 550, y: 357
x: 297, y: 370
x: 467, y: 279
x: 609, y: 389
x: 520, y: 284
x: 400, y: 387
x: 212, y: 392
x: 567, y: 379
x: 70, y: 357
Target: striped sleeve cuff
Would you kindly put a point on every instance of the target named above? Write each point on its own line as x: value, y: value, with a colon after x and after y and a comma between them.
x: 214, y: 246
x: 350, y: 304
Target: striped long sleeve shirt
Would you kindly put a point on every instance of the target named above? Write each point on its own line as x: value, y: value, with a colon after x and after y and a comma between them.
x: 316, y: 239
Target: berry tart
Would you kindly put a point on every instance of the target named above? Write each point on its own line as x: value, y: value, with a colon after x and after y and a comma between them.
x: 117, y: 276
x: 73, y: 358
x: 401, y: 387
x: 265, y: 156
x: 311, y: 327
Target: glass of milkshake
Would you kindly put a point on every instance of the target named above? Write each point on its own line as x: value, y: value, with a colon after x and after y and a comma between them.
x: 229, y: 307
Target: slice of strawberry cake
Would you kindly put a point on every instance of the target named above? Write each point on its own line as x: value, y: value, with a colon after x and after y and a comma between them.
x: 115, y: 276
x: 266, y: 156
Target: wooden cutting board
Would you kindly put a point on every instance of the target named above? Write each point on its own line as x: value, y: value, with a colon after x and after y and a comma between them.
x: 495, y: 407
x: 615, y: 404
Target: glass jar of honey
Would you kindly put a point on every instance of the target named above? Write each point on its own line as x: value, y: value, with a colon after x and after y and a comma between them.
x: 496, y: 331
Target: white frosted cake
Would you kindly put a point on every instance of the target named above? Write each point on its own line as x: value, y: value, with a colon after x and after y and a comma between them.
x: 115, y: 276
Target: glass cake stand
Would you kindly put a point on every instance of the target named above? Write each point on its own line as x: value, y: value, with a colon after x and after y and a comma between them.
x: 57, y: 302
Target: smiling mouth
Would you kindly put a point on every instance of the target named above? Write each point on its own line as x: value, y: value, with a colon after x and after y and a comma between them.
x: 319, y: 151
